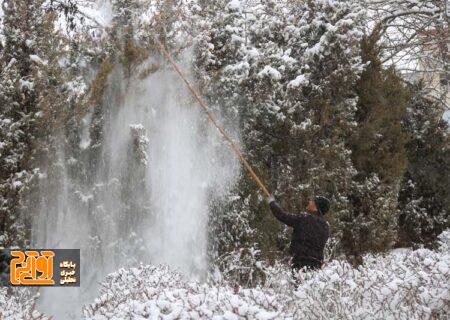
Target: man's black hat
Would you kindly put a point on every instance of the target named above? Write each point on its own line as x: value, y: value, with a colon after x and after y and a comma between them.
x: 322, y: 204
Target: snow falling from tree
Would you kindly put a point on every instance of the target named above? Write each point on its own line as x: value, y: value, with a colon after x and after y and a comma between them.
x: 158, y: 151
x: 102, y: 148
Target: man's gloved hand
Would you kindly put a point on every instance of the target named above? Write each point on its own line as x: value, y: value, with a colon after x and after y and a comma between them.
x: 270, y: 199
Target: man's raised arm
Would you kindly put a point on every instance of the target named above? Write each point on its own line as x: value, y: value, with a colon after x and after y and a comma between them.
x: 283, y: 216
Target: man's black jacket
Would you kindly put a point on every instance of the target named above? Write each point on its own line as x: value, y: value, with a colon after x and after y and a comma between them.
x: 309, y: 236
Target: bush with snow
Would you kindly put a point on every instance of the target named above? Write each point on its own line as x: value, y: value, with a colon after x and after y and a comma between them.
x: 156, y: 292
x: 18, y: 304
x: 403, y: 284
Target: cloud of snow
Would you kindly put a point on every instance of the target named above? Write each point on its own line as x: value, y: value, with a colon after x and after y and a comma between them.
x: 105, y: 12
x: 161, y: 164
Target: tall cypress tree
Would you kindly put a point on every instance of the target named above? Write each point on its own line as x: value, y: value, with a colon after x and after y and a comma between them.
x: 424, y: 200
x: 379, y: 156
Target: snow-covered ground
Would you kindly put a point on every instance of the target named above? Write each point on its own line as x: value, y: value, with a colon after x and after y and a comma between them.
x: 403, y: 284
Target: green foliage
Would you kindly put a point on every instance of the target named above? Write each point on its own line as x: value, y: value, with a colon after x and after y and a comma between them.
x: 379, y: 156
x: 100, y: 83
x: 133, y: 56
x: 293, y: 97
x: 32, y: 93
x: 306, y: 95
x: 378, y: 144
x: 424, y: 200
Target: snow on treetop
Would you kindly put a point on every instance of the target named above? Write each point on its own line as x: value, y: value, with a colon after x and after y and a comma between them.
x: 298, y: 81
x: 270, y: 72
x: 234, y: 5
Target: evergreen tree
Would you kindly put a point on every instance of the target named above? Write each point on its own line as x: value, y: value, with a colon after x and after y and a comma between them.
x: 129, y: 54
x: 288, y: 70
x: 379, y: 156
x: 31, y: 96
x: 295, y: 82
x: 311, y: 115
x: 424, y: 200
x: 219, y: 52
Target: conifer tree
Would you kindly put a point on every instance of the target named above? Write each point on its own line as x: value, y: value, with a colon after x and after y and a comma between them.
x: 31, y: 96
x: 378, y: 154
x: 309, y: 110
x: 219, y: 47
x: 424, y: 200
x: 288, y: 70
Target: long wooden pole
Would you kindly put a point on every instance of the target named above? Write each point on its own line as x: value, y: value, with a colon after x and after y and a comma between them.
x: 212, y: 118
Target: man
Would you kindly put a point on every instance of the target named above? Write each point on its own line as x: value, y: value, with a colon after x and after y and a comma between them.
x: 310, y: 232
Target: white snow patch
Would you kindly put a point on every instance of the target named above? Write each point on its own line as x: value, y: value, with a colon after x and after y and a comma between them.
x: 271, y: 72
x: 403, y: 282
x: 234, y: 5
x: 37, y: 59
x: 297, y: 82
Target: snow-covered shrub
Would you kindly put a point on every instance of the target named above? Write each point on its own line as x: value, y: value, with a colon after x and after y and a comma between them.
x: 239, y: 267
x: 18, y: 304
x: 403, y: 284
x: 156, y: 292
